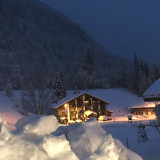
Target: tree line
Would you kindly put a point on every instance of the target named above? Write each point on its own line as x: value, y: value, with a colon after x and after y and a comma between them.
x: 141, y: 76
x: 38, y: 92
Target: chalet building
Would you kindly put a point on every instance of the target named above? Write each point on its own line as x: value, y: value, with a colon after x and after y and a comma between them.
x: 151, y: 96
x: 79, y: 107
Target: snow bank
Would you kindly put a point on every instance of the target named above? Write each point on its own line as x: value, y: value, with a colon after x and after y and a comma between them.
x: 89, y: 141
x: 26, y: 146
x: 33, y: 141
x: 58, y: 148
x: 37, y: 124
x: 131, y: 155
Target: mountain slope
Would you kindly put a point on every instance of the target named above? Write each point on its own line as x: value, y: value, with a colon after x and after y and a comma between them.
x: 123, y: 27
x: 32, y: 30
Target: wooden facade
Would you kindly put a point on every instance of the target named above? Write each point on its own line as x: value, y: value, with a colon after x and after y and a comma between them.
x: 148, y: 111
x: 76, y: 109
x: 109, y: 113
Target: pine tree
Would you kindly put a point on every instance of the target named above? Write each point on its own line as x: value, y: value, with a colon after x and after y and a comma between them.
x: 59, y: 87
x: 89, y: 64
x: 124, y: 78
x: 135, y: 75
x: 9, y: 89
x: 16, y: 75
x: 75, y: 90
x: 142, y: 78
x: 142, y: 82
x: 146, y: 69
x: 154, y: 73
x: 88, y: 77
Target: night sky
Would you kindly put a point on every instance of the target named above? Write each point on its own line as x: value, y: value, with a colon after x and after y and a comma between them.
x: 124, y: 27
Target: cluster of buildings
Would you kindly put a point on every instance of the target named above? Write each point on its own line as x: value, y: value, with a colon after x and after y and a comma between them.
x: 80, y: 106
x: 152, y: 94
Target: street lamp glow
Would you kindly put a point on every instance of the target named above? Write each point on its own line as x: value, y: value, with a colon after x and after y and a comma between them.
x: 65, y: 105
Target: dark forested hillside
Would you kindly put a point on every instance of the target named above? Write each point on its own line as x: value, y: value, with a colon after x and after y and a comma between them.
x: 34, y: 36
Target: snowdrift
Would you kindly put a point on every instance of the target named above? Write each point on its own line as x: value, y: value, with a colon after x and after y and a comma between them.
x: 32, y: 141
x: 37, y: 124
x: 90, y: 142
x: 35, y: 140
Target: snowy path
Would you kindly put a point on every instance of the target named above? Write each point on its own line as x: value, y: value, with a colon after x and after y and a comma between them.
x: 8, y: 114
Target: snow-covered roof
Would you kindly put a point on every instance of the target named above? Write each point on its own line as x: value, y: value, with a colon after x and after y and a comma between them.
x: 109, y: 111
x: 70, y: 96
x: 142, y: 107
x: 153, y: 90
x: 89, y: 112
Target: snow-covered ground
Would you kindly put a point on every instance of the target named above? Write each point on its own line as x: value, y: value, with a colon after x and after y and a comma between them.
x: 120, y: 100
x: 41, y: 142
x: 148, y: 150
x: 8, y: 111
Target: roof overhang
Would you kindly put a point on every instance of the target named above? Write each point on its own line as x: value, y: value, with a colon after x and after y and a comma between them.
x: 143, y: 107
x: 110, y: 111
x: 151, y: 99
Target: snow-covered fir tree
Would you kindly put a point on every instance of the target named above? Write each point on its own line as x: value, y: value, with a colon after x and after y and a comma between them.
x: 16, y: 75
x: 154, y: 73
x: 135, y: 74
x: 75, y: 90
x: 59, y: 86
x: 142, y: 82
x: 142, y: 76
x: 89, y: 76
x: 88, y: 73
x: 9, y: 89
x: 89, y: 63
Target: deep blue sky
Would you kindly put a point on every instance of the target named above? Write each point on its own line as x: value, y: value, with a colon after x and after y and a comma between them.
x: 123, y: 27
